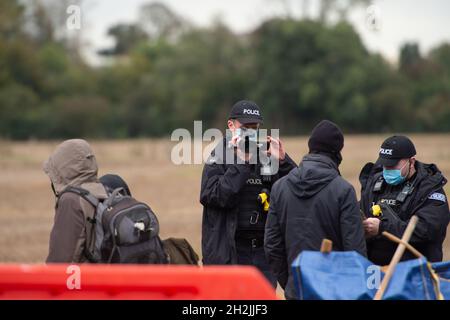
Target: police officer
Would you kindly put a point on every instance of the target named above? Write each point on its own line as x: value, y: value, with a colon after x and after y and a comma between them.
x: 233, y: 193
x: 403, y: 186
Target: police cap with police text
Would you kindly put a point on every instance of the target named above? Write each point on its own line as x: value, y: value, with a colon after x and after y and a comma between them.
x: 394, y: 149
x: 246, y: 112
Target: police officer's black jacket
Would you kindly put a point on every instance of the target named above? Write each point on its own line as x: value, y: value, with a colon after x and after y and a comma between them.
x: 426, y: 199
x: 311, y: 203
x: 219, y: 195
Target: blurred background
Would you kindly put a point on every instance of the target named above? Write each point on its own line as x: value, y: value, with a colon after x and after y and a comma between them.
x: 142, y: 68
x: 125, y: 73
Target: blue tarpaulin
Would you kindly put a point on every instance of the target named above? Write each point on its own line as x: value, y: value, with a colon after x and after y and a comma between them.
x: 350, y: 276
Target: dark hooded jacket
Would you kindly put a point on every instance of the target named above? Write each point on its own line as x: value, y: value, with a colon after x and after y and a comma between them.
x: 219, y: 195
x: 310, y: 204
x: 427, y: 200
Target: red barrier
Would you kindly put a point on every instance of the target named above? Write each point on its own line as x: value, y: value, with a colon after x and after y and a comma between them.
x: 100, y: 282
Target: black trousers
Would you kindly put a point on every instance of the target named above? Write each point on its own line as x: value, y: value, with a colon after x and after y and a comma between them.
x: 250, y: 251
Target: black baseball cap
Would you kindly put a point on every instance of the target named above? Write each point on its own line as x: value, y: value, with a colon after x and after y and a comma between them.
x: 394, y: 149
x: 246, y: 112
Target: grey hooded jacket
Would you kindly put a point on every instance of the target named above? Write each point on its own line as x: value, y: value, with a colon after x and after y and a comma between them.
x: 72, y: 164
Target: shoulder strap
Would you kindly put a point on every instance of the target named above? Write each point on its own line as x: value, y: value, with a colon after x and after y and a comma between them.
x: 110, y: 200
x: 91, y: 218
x: 86, y: 195
x: 82, y: 193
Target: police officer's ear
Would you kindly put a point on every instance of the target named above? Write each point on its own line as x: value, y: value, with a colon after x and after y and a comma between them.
x: 231, y: 128
x: 231, y: 124
x: 412, y: 163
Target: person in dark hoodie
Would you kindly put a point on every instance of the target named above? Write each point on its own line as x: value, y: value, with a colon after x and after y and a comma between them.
x: 311, y: 203
x: 403, y: 186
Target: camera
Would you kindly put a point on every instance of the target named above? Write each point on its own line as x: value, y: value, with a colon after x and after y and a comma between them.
x: 249, y: 142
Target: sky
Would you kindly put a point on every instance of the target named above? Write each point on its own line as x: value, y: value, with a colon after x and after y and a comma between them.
x: 397, y: 21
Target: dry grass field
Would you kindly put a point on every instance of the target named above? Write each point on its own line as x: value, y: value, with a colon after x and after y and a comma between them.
x: 26, y: 200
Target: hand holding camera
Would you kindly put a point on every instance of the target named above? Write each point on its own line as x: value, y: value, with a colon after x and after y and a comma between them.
x: 275, y: 148
x: 245, y: 141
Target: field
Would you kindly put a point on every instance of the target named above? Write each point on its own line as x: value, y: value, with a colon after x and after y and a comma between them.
x: 26, y: 200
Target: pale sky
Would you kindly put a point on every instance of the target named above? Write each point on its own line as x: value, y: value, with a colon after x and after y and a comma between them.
x: 424, y: 21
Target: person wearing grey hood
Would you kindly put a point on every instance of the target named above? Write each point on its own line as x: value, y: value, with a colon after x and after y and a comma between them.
x: 311, y: 203
x: 72, y: 164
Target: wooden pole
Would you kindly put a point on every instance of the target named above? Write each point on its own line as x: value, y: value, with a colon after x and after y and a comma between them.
x: 407, y: 245
x: 396, y: 258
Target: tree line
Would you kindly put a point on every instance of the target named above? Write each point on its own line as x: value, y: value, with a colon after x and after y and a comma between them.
x: 163, y: 73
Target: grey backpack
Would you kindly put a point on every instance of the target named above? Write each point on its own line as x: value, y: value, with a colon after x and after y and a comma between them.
x: 122, y: 230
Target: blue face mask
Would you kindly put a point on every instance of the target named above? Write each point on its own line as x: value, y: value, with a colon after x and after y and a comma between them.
x: 394, y: 176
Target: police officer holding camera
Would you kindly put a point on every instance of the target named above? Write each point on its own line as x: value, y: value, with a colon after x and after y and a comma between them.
x: 235, y: 194
x: 402, y: 187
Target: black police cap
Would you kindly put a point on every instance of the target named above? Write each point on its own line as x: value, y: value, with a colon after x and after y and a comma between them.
x: 394, y: 149
x: 246, y: 112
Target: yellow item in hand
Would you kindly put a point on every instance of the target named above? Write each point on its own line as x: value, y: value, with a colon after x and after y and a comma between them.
x: 264, y: 199
x: 376, y: 211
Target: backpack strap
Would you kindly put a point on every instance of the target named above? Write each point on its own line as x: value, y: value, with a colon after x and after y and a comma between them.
x: 109, y: 201
x: 82, y: 193
x: 90, y: 230
x: 85, y: 194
